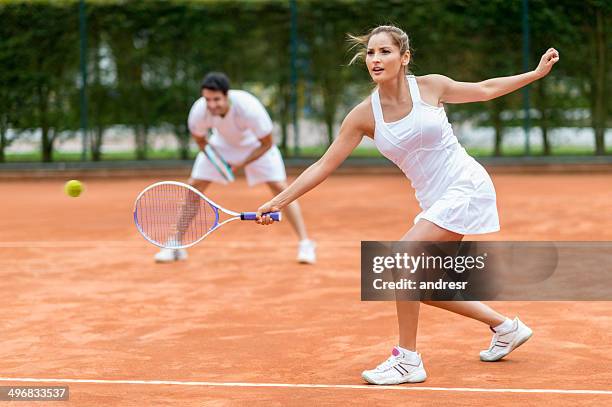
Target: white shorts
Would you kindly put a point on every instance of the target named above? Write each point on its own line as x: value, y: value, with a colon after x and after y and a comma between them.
x: 267, y: 168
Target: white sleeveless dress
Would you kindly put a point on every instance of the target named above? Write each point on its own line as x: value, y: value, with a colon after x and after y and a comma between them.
x: 454, y: 191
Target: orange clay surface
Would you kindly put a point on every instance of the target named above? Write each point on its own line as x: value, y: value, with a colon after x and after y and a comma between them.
x: 82, y: 299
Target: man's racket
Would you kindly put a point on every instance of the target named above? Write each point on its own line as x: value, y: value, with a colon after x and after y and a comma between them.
x: 174, y: 215
x: 219, y: 162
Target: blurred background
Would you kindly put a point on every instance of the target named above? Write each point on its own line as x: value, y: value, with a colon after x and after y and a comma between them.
x: 110, y: 80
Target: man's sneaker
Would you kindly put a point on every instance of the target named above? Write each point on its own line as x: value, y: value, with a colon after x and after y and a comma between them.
x: 505, y: 342
x: 399, y: 368
x: 306, y: 252
x: 170, y: 255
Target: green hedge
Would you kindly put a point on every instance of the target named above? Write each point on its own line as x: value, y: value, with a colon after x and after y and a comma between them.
x: 146, y: 59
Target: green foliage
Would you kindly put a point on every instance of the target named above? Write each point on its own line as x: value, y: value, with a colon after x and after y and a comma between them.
x: 146, y: 59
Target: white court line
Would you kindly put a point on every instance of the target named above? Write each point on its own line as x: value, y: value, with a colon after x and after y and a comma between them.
x: 307, y: 386
x: 70, y: 243
x: 58, y: 244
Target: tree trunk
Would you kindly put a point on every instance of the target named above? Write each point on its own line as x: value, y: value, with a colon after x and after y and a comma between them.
x: 46, y: 138
x: 499, y: 129
x: 140, y: 134
x: 182, y: 134
x: 97, y: 107
x: 284, y: 117
x: 544, y: 116
x: 600, y: 147
x: 284, y: 136
x: 96, y: 143
x: 329, y: 122
x: 3, y: 143
x: 47, y: 144
x: 599, y: 84
x: 329, y: 104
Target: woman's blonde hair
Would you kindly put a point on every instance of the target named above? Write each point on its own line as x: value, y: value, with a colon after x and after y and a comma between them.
x: 400, y: 38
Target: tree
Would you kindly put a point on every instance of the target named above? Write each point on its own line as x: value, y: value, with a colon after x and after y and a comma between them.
x: 46, y: 52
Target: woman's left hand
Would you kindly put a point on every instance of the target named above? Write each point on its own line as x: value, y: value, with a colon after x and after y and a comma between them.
x: 550, y: 57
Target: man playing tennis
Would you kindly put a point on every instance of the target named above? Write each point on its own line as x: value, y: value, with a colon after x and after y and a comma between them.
x: 242, y: 135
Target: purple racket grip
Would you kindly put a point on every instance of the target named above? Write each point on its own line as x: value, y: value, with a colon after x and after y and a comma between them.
x: 276, y: 216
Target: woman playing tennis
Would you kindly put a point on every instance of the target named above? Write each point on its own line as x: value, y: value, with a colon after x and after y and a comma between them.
x: 406, y: 119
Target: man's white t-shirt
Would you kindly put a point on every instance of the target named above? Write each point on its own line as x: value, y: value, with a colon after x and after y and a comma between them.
x: 241, y: 128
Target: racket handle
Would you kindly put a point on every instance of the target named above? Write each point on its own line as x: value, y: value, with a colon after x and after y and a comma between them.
x: 276, y: 216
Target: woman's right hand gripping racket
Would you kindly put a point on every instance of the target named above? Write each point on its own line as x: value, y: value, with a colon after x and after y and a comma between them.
x: 174, y: 215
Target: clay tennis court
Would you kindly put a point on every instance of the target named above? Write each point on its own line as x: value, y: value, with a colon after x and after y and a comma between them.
x: 240, y: 322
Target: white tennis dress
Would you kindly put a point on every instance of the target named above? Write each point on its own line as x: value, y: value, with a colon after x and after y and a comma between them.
x: 454, y: 191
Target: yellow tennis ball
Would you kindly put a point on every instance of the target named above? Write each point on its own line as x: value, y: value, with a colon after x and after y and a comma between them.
x: 73, y: 188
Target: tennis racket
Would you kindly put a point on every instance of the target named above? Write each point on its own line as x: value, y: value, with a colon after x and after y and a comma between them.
x: 219, y: 162
x: 174, y: 215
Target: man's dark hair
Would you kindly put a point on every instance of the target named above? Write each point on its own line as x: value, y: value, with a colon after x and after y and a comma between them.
x: 216, y: 81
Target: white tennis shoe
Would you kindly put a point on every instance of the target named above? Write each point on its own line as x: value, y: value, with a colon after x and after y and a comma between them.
x: 503, y: 343
x: 307, y: 252
x: 399, y: 368
x: 170, y: 255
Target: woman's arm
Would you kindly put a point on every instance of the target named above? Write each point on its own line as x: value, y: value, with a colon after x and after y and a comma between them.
x: 354, y: 126
x: 451, y: 91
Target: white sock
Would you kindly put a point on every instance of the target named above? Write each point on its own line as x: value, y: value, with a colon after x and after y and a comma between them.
x: 408, y: 354
x: 504, y: 326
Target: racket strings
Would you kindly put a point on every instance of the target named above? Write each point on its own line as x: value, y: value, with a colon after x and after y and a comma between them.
x: 172, y: 215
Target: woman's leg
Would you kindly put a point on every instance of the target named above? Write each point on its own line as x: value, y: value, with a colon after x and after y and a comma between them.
x: 408, y: 321
x: 408, y: 311
x: 406, y: 366
x: 471, y: 309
